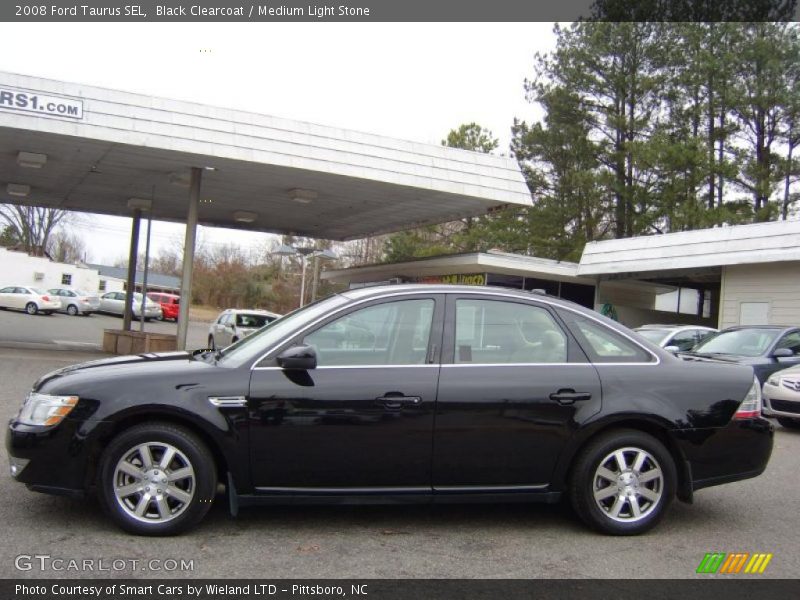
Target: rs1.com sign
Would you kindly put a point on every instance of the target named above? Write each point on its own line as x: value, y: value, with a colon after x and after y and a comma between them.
x: 46, y: 106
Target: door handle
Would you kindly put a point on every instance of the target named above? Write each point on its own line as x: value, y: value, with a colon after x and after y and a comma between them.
x: 569, y: 396
x: 397, y: 401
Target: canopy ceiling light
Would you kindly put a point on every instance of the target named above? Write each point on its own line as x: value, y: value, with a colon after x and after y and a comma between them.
x: 140, y: 204
x: 243, y: 216
x: 31, y: 160
x: 18, y: 189
x: 302, y: 196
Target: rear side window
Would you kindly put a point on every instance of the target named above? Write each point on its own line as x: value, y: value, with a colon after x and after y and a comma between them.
x: 498, y: 332
x: 602, y: 344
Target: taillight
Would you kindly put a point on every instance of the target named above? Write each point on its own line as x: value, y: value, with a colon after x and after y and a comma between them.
x: 46, y: 298
x: 750, y: 408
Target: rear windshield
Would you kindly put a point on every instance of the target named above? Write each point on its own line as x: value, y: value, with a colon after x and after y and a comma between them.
x: 653, y: 335
x: 254, y: 320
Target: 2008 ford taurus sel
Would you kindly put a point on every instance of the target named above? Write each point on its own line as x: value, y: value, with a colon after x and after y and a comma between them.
x: 400, y: 393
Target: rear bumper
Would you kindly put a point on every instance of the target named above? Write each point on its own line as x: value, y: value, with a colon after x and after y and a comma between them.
x: 740, y: 450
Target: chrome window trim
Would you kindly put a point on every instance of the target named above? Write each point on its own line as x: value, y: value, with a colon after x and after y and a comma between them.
x: 542, y: 299
x: 322, y: 368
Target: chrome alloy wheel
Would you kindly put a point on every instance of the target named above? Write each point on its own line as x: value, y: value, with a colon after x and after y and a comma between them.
x: 154, y: 482
x: 628, y: 484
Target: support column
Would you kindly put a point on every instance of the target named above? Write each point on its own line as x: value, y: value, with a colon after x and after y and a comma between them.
x: 131, y: 283
x: 188, y: 257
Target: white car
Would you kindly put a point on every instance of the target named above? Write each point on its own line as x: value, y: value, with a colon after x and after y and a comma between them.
x: 678, y: 338
x: 781, y: 396
x: 76, y: 302
x: 30, y: 299
x: 114, y: 303
x: 234, y: 324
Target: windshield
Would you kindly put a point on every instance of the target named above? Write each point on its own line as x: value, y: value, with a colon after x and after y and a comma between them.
x: 739, y: 342
x: 653, y: 335
x: 253, y: 346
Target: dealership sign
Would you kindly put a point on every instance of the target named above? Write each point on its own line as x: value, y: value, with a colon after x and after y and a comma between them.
x: 40, y: 104
x: 469, y: 279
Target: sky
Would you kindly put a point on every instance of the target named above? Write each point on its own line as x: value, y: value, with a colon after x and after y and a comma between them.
x: 413, y: 81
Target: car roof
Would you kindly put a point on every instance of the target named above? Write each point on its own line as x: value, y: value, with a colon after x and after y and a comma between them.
x: 441, y: 288
x: 673, y: 327
x: 776, y: 327
x: 251, y: 311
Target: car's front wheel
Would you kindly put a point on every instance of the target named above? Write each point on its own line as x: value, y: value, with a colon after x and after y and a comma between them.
x: 157, y: 479
x: 622, y: 482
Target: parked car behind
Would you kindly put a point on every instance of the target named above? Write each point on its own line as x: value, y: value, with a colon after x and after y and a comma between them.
x: 766, y: 348
x: 30, y: 299
x: 782, y: 397
x: 113, y: 303
x: 170, y: 304
x: 458, y: 394
x: 76, y: 302
x: 233, y: 324
x: 675, y: 337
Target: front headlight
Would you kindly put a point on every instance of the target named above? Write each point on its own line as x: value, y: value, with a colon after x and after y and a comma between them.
x: 44, y: 409
x: 773, y: 381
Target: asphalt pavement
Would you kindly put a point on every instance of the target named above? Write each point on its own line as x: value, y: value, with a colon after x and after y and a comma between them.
x: 62, y: 332
x: 463, y: 541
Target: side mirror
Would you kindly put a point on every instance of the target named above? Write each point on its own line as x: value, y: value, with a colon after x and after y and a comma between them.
x: 673, y: 349
x: 782, y: 353
x: 298, y: 357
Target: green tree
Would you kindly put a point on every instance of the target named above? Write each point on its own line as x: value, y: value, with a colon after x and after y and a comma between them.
x: 32, y: 225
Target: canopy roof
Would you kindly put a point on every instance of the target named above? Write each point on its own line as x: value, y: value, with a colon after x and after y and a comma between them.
x: 262, y: 173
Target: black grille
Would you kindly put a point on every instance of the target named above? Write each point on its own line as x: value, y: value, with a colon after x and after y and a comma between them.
x: 785, y: 406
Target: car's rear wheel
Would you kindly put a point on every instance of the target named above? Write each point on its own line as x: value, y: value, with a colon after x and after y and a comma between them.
x: 789, y: 423
x: 157, y: 479
x: 31, y: 308
x: 72, y: 310
x: 622, y: 482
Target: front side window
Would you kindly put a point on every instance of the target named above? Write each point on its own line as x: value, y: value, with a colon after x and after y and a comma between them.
x: 684, y: 340
x: 497, y: 332
x: 790, y: 341
x: 393, y: 333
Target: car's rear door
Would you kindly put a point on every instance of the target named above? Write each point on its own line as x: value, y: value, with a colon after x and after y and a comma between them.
x: 362, y: 421
x: 513, y: 387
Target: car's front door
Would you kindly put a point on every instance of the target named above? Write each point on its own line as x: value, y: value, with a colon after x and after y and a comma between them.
x: 362, y: 420
x: 512, y: 387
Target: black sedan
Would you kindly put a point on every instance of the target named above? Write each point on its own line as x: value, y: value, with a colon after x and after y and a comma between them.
x: 765, y: 348
x: 441, y: 394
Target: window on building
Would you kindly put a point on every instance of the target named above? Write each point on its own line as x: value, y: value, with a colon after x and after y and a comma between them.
x: 102, y: 285
x: 66, y: 279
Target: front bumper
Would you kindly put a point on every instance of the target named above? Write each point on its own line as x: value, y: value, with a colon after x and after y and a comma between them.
x: 780, y: 402
x: 740, y: 450
x: 56, y: 459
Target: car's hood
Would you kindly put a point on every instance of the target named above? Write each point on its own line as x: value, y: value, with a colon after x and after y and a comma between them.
x: 142, y: 364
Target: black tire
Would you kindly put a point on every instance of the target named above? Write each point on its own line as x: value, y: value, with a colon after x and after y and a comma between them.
x: 789, y: 423
x: 72, y: 310
x: 234, y: 339
x: 211, y: 345
x: 626, y: 488
x: 31, y: 308
x: 190, y: 449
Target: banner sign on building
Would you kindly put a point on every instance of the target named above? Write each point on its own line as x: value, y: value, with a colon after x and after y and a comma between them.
x: 463, y: 279
x: 40, y: 104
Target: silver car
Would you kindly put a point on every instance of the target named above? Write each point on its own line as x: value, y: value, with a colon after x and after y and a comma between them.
x: 30, y: 299
x: 76, y: 302
x: 781, y: 396
x: 234, y: 324
x: 113, y: 303
x: 676, y: 338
